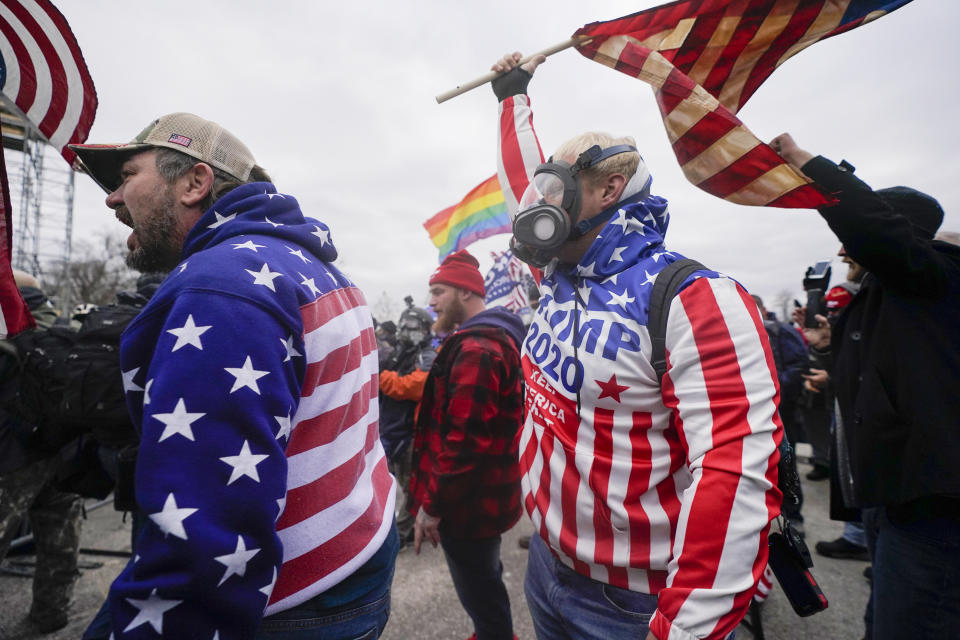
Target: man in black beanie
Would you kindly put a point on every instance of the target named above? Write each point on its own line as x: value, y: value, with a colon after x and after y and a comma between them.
x: 896, y: 370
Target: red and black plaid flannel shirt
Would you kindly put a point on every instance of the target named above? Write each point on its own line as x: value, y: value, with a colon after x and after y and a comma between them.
x: 465, y: 449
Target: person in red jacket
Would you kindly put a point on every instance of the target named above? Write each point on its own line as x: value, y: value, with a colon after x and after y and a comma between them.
x: 465, y: 481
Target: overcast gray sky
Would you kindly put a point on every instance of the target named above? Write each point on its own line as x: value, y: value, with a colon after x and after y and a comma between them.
x: 336, y: 100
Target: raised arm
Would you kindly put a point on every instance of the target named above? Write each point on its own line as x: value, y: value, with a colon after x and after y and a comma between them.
x: 518, y: 149
x: 886, y: 231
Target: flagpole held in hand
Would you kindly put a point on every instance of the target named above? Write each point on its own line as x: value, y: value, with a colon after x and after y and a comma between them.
x: 484, y: 79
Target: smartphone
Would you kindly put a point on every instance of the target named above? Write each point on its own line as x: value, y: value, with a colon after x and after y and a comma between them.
x: 815, y: 282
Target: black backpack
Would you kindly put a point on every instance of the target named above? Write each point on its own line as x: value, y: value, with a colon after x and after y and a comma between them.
x: 664, y: 290
x: 69, y: 382
x: 40, y: 384
x: 94, y: 398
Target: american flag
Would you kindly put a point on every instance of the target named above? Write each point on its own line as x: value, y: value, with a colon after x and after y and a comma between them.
x: 44, y: 74
x: 14, y: 314
x: 43, y: 78
x: 704, y: 59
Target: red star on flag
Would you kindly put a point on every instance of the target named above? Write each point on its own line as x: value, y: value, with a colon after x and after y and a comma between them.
x: 610, y: 388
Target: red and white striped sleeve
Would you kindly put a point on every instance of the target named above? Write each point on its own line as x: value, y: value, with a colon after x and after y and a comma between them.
x: 722, y: 388
x: 518, y: 149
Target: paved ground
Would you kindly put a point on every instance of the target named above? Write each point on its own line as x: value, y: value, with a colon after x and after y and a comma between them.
x: 425, y: 605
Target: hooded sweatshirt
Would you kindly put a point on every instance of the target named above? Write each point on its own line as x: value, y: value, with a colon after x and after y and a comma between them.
x: 251, y: 376
x: 465, y: 468
x: 665, y: 488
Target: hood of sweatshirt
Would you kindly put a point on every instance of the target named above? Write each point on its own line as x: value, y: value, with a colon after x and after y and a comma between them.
x: 258, y: 209
x: 499, y: 317
x: 617, y: 271
x: 634, y: 233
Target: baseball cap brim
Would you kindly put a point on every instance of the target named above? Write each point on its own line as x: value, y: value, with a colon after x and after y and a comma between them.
x: 102, y: 162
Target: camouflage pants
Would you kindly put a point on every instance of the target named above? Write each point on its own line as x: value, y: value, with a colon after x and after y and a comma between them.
x: 55, y: 521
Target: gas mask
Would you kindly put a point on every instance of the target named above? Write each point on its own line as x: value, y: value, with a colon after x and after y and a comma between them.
x: 550, y: 206
x: 414, y: 326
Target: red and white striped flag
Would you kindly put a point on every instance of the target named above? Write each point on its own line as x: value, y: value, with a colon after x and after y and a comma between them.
x: 43, y: 72
x: 44, y: 78
x: 14, y: 314
x: 704, y: 59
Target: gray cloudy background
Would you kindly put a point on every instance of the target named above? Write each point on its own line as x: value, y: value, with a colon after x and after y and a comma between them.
x: 336, y: 100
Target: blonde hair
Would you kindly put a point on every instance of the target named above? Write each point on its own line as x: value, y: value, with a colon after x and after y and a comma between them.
x: 622, y: 163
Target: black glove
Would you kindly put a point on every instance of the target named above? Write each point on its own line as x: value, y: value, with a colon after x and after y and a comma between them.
x: 511, y: 83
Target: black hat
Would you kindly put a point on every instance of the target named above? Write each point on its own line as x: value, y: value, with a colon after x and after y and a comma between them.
x: 923, y: 212
x: 389, y: 326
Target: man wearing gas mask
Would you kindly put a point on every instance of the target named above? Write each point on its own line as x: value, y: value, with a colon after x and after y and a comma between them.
x: 402, y: 377
x: 651, y: 501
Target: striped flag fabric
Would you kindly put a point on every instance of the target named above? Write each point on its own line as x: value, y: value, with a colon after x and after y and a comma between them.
x: 704, y: 59
x: 482, y: 213
x: 42, y: 77
x: 507, y: 282
x: 14, y: 313
x: 43, y: 74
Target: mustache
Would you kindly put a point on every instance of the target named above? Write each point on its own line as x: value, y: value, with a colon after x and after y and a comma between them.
x: 123, y: 215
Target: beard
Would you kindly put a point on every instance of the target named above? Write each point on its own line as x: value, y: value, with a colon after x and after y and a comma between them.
x: 451, y: 318
x: 159, y: 245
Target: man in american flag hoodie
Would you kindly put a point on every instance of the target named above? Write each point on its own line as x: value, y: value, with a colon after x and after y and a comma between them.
x: 251, y: 377
x: 650, y: 499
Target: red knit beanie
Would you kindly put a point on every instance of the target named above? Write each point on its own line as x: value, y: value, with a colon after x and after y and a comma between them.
x: 837, y: 298
x: 461, y: 270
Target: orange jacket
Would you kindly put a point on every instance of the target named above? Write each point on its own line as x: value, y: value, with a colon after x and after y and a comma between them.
x: 408, y: 387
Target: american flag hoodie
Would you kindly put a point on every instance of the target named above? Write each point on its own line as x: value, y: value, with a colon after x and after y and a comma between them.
x: 252, y: 378
x: 665, y: 489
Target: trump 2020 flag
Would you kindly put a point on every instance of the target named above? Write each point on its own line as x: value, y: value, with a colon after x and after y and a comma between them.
x: 507, y: 282
x: 704, y: 59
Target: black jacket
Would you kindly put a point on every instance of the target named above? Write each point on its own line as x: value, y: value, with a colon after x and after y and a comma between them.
x: 896, y: 349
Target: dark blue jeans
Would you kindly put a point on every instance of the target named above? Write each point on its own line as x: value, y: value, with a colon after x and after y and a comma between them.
x: 565, y: 605
x: 360, y: 620
x: 477, y: 576
x: 916, y: 578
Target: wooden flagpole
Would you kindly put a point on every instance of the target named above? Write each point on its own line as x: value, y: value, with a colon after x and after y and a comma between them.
x: 484, y: 79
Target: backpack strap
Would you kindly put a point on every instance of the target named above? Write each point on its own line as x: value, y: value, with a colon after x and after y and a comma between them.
x: 664, y: 289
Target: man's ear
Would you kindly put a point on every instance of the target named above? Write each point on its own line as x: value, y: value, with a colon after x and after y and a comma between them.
x: 613, y: 186
x: 195, y: 184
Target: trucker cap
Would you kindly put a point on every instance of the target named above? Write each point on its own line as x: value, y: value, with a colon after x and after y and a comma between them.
x: 202, y: 139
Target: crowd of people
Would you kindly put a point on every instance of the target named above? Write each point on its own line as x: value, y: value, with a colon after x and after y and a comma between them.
x: 286, y: 449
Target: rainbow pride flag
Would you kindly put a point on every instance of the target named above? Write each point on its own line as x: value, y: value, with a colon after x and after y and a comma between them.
x: 481, y: 214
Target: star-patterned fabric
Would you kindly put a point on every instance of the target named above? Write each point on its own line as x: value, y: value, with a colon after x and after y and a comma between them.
x: 252, y: 378
x: 659, y: 489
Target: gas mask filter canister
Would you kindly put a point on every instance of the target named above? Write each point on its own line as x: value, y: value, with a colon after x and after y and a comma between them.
x: 550, y: 206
